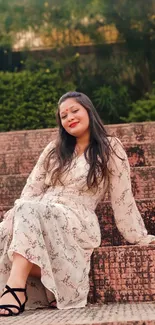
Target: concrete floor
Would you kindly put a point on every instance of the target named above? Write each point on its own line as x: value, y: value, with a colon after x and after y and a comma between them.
x: 134, y: 313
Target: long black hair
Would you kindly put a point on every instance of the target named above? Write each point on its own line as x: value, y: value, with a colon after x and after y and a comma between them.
x: 96, y: 154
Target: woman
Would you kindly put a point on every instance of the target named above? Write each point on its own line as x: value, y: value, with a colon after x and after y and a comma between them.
x: 52, y: 230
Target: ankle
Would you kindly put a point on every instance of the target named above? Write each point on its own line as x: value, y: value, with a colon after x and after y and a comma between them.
x: 20, y: 283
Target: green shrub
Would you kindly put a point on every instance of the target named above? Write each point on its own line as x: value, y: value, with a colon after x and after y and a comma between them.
x: 112, y: 104
x: 144, y: 109
x: 29, y: 100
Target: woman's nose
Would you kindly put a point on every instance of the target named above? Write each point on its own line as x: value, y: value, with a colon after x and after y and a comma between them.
x: 70, y: 117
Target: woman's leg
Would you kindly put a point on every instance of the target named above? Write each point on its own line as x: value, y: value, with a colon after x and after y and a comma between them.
x: 20, y: 270
x: 35, y: 271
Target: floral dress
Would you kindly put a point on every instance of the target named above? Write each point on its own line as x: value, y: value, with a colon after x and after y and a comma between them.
x: 56, y: 228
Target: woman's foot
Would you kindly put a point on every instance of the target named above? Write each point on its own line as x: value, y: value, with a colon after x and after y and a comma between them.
x: 9, y: 299
x: 53, y: 304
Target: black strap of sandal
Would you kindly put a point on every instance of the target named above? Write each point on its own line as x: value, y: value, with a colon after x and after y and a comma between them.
x: 7, y: 307
x: 11, y: 290
x: 20, y: 307
x: 53, y: 304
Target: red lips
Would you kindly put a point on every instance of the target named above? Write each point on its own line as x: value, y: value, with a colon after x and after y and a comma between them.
x: 73, y: 124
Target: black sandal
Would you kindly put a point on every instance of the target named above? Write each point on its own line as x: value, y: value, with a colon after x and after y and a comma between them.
x: 53, y: 304
x: 20, y: 308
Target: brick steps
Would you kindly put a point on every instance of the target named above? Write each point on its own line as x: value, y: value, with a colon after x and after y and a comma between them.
x: 140, y: 154
x: 119, y: 274
x: 22, y: 161
x: 123, y: 274
x: 26, y: 139
x: 133, y: 132
x: 110, y: 234
x: 18, y: 162
x: 143, y: 185
x: 142, y: 179
x: 111, y: 314
x: 136, y: 133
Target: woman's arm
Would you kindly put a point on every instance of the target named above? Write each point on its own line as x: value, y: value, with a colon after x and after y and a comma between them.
x: 127, y: 216
x: 35, y: 183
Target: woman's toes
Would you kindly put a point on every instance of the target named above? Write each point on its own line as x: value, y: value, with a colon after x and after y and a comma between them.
x: 3, y: 312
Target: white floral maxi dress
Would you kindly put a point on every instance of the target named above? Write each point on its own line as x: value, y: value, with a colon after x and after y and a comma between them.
x: 57, y: 229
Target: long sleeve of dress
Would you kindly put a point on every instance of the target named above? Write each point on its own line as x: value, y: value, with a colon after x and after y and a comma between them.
x: 127, y: 217
x: 35, y: 183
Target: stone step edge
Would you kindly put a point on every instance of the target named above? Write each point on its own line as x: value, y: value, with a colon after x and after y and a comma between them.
x: 125, y: 143
x: 131, y: 168
x: 18, y: 151
x: 122, y: 125
x: 101, y: 202
x: 147, y: 200
x: 52, y: 130
x: 103, y: 314
x: 122, y: 247
x: 122, y: 274
x: 137, y: 201
x: 7, y: 207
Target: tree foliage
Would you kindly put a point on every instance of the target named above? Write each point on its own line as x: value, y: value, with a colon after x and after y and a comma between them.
x: 144, y: 109
x: 29, y: 100
x: 134, y: 20
x: 114, y: 76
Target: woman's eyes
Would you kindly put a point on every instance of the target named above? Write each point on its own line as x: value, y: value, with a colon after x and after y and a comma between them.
x: 64, y: 116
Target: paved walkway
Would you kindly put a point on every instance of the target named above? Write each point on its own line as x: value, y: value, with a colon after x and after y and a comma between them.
x: 134, y: 313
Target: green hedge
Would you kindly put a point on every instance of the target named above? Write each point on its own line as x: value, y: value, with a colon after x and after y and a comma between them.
x: 144, y: 109
x: 113, y: 103
x: 28, y: 100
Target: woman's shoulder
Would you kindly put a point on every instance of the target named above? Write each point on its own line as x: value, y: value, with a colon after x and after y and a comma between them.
x: 116, y: 148
x: 50, y: 146
x: 114, y: 141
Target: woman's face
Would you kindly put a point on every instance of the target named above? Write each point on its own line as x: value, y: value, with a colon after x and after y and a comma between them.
x: 74, y: 118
